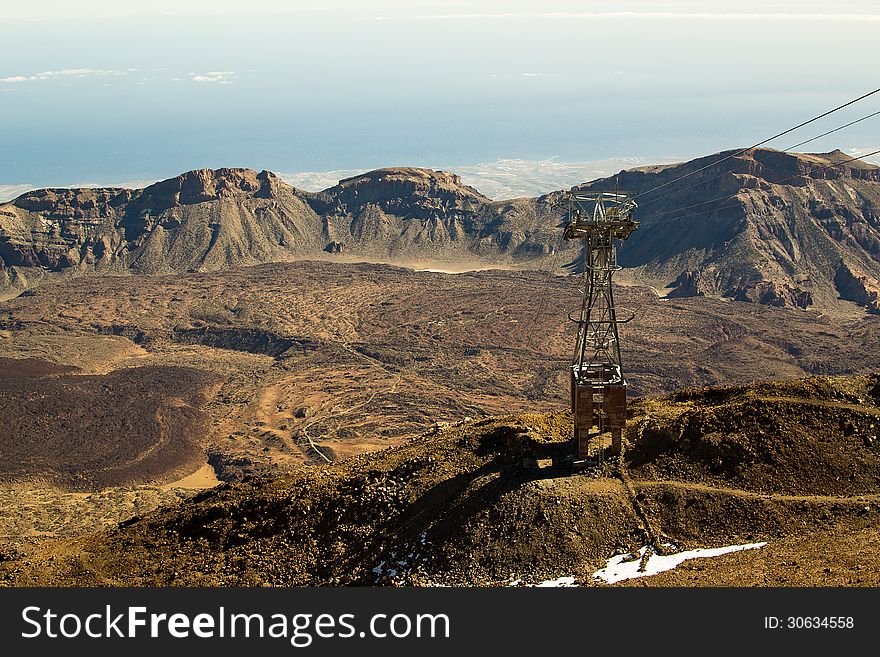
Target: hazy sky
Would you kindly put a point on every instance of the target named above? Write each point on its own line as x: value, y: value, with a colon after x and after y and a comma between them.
x: 115, y: 91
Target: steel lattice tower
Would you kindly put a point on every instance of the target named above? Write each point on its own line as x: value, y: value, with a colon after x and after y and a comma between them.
x: 598, y: 387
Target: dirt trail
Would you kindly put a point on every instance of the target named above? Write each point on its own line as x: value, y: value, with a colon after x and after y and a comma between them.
x: 738, y: 492
x: 203, y: 478
x: 319, y: 417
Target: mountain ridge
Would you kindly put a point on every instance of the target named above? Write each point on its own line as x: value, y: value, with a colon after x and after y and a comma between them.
x: 789, y: 229
x: 796, y: 229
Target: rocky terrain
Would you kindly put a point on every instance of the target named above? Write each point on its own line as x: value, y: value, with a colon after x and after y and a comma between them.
x: 319, y: 360
x: 469, y: 504
x: 210, y: 220
x: 89, y: 432
x: 279, y: 366
x: 791, y: 230
x: 374, y: 423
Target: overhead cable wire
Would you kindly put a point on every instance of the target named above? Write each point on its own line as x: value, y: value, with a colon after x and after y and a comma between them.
x: 779, y: 182
x: 761, y: 159
x: 760, y: 143
x: 825, y: 134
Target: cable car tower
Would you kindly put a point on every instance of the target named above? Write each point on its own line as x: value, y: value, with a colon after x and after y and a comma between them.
x: 598, y: 388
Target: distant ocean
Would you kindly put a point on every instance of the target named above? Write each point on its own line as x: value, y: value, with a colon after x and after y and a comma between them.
x: 501, y: 179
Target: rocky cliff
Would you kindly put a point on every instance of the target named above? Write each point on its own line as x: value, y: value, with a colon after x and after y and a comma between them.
x: 201, y: 219
x: 419, y: 214
x: 213, y: 219
x: 791, y: 229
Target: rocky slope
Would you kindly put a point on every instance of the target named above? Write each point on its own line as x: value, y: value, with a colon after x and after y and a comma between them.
x: 322, y: 361
x: 201, y: 219
x: 792, y: 230
x: 88, y: 432
x: 471, y: 505
x: 210, y: 220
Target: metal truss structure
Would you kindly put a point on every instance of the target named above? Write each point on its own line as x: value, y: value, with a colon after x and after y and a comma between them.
x: 598, y: 387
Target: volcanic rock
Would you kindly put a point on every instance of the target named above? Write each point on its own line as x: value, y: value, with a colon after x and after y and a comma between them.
x: 761, y: 226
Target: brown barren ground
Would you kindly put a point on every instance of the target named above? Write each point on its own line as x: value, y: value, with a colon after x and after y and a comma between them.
x: 334, y: 359
x: 88, y: 432
x: 467, y: 505
x: 321, y: 362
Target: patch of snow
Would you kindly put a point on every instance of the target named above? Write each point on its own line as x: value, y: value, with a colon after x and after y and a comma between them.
x: 558, y: 582
x: 623, y: 566
x: 403, y: 559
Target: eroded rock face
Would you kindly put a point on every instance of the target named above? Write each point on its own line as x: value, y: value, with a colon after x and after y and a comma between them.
x: 203, y: 219
x: 58, y: 228
x: 412, y: 214
x: 697, y: 283
x: 200, y: 186
x: 855, y: 285
x: 402, y: 192
x: 207, y: 219
x: 688, y: 284
x: 777, y: 233
x: 782, y: 226
x: 772, y: 294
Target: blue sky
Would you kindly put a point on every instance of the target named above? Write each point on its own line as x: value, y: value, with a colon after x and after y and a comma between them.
x: 122, y: 91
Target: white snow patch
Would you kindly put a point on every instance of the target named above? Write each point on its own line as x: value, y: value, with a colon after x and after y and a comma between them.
x: 558, y: 582
x: 403, y: 559
x: 623, y: 567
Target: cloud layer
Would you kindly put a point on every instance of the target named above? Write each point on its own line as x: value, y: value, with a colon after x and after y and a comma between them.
x: 502, y: 179
x: 218, y: 77
x: 63, y: 74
